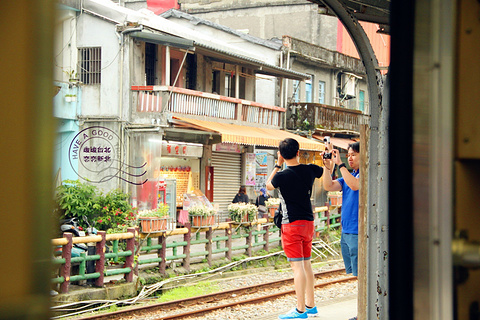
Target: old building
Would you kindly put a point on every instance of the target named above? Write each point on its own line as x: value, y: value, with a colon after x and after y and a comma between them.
x: 162, y: 100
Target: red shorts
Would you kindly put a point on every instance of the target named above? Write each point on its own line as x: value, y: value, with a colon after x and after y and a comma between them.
x: 297, y: 240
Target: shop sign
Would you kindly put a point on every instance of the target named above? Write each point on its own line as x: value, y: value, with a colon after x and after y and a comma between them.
x: 250, y: 169
x: 179, y: 149
x: 261, y: 169
x: 227, y: 147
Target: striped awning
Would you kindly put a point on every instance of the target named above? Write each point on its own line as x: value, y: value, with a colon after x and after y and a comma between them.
x: 233, y: 133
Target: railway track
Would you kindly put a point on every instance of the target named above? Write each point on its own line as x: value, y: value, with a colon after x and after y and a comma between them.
x: 216, y: 301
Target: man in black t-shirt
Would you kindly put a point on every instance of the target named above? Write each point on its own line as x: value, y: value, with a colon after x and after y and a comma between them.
x: 295, y: 186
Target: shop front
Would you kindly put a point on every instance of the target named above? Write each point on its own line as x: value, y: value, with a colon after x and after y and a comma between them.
x: 169, y: 170
x: 245, y: 157
x: 227, y: 173
x: 179, y: 172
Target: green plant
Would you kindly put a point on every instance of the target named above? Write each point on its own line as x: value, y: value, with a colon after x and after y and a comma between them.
x: 115, y: 211
x: 201, y: 210
x: 238, y: 211
x: 76, y: 199
x: 162, y: 210
x: 183, y: 292
x: 330, y: 235
x: 306, y: 125
x: 107, y: 211
x: 270, y: 202
x: 71, y: 74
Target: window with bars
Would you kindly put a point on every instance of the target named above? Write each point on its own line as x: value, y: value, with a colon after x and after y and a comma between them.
x: 90, y: 65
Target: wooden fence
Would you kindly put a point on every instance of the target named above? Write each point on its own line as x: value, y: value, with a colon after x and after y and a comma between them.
x: 217, y: 239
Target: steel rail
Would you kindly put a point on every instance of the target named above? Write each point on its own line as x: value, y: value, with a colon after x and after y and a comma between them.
x: 218, y: 296
x: 251, y: 301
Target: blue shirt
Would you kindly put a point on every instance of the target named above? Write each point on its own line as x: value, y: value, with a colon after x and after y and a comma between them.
x: 349, y: 206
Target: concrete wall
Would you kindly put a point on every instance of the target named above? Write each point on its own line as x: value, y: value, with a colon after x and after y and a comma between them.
x: 267, y: 19
x: 101, y: 99
x: 324, y: 65
x: 65, y: 59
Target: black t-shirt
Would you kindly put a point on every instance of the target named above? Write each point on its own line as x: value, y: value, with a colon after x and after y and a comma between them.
x: 295, y: 184
x: 240, y: 197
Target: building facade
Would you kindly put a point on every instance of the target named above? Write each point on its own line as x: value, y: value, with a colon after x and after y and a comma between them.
x: 164, y: 101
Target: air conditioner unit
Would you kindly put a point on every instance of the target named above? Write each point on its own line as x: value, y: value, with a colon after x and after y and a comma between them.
x: 348, y: 84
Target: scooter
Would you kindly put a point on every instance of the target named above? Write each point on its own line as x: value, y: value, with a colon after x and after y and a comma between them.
x: 71, y: 225
x: 91, y: 230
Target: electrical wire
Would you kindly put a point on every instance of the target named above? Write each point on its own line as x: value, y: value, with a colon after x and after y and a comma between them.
x: 82, y: 307
x: 145, y: 291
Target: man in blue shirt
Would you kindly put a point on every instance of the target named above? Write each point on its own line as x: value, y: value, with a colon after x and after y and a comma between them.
x: 349, y: 185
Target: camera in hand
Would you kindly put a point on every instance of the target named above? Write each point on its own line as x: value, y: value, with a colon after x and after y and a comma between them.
x: 327, y: 155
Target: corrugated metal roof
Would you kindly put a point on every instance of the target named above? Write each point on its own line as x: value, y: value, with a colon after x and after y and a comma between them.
x: 118, y: 14
x: 258, y: 65
x: 233, y: 133
x: 196, y: 20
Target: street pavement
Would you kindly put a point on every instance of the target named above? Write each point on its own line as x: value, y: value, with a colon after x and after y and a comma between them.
x: 343, y: 308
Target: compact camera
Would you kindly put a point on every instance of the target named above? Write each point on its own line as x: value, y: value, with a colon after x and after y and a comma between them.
x: 327, y: 155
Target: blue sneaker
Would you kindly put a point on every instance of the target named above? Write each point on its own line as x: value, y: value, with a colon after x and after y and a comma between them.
x: 293, y: 314
x: 312, y: 312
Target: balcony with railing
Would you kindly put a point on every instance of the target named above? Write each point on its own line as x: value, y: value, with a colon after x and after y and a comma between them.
x: 161, y: 99
x: 324, y: 116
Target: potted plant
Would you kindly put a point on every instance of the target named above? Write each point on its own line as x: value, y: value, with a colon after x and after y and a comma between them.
x: 72, y: 75
x: 272, y: 204
x: 154, y: 220
x: 242, y: 212
x: 202, y: 215
x: 335, y: 198
x: 70, y: 97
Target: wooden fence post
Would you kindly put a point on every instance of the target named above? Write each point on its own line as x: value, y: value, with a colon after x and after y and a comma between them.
x: 187, y: 237
x: 130, y: 260
x: 137, y: 250
x: 209, y: 245
x: 266, y: 237
x: 100, y: 263
x: 327, y: 214
x: 67, y: 267
x: 162, y: 254
x: 228, y: 243
x: 249, y: 240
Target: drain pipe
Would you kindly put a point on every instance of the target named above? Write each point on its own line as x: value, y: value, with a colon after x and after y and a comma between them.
x: 122, y: 120
x: 287, y: 82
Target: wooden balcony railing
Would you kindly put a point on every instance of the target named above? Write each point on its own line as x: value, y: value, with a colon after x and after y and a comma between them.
x: 325, y: 116
x: 159, y: 99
